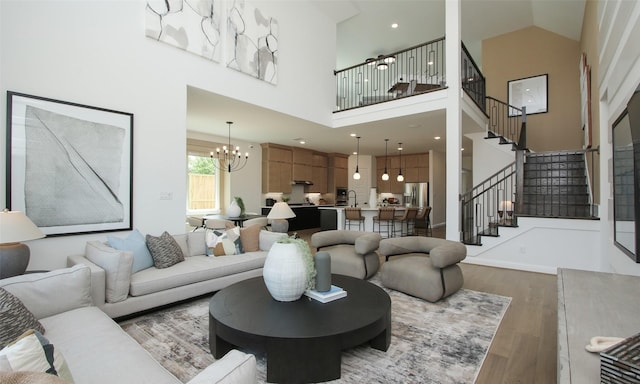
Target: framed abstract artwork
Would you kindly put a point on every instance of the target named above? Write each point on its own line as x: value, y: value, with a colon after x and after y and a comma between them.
x: 530, y: 92
x: 69, y: 166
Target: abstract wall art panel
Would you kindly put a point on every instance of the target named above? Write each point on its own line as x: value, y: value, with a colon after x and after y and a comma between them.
x: 69, y: 166
x: 192, y: 25
x: 252, y: 42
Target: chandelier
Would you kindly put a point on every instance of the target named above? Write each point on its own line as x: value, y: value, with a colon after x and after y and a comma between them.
x: 229, y: 157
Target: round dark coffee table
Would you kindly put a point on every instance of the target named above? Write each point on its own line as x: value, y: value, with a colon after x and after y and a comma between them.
x: 303, y: 340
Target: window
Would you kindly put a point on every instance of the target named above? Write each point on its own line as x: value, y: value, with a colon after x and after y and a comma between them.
x: 203, y: 185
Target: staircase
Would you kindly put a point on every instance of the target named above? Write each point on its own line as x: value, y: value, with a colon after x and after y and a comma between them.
x: 555, y: 185
x: 544, y: 185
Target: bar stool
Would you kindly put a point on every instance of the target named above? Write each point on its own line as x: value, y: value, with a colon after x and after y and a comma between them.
x: 353, y: 215
x: 386, y: 217
x: 423, y: 221
x: 408, y: 219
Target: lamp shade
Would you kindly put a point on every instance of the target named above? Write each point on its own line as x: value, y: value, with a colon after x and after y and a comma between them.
x: 15, y: 227
x: 280, y: 210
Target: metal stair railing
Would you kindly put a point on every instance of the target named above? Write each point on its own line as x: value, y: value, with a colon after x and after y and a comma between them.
x: 489, y: 205
x: 507, y: 123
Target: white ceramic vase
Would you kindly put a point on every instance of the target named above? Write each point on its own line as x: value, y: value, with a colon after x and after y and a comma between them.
x: 233, y: 210
x: 284, y: 272
x: 373, y: 198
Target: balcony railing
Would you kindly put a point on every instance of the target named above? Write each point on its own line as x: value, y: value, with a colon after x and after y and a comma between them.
x: 404, y: 73
x: 408, y: 72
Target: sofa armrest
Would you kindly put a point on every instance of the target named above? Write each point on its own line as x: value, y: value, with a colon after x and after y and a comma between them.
x: 49, y: 293
x: 368, y: 243
x: 234, y: 368
x: 448, y: 254
x: 98, y: 278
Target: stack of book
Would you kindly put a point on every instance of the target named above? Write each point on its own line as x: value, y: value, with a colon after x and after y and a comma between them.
x: 324, y: 297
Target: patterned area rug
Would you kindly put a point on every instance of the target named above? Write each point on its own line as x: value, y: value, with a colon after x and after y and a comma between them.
x: 444, y: 342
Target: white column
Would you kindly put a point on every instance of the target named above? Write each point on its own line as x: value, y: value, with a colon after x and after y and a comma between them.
x: 454, y: 117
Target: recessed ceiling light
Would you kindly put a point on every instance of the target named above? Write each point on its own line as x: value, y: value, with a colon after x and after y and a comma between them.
x: 353, y: 135
x: 302, y: 142
x: 437, y: 137
x: 462, y: 149
x: 394, y: 25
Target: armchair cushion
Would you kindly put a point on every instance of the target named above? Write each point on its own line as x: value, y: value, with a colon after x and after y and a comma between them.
x: 369, y: 242
x: 442, y: 252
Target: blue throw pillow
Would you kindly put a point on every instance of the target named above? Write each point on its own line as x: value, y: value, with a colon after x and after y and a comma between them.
x: 135, y: 243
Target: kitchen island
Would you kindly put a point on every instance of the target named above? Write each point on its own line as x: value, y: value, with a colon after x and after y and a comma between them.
x: 367, y: 212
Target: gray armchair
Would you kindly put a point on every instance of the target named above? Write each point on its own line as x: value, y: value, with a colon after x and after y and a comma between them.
x: 425, y: 267
x: 353, y: 253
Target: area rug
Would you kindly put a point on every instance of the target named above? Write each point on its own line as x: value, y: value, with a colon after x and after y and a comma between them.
x: 444, y: 342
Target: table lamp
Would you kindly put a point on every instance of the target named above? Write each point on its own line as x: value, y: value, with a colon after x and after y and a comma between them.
x: 15, y: 227
x: 278, y: 215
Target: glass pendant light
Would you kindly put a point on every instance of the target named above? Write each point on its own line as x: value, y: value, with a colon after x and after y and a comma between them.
x: 400, y: 177
x: 385, y: 175
x: 356, y: 175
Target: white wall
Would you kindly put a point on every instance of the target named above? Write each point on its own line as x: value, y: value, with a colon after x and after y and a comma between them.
x: 619, y: 75
x: 96, y: 53
x: 438, y: 182
x: 488, y: 156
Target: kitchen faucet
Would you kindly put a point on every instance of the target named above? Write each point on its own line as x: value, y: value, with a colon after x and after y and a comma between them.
x: 355, y: 197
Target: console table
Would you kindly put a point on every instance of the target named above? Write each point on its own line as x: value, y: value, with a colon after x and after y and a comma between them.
x: 592, y: 304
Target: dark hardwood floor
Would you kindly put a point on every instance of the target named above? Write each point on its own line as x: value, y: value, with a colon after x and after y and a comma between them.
x: 524, y: 348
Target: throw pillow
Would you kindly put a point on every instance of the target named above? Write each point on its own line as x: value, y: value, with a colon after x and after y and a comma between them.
x: 268, y: 238
x: 250, y: 238
x: 15, y: 318
x: 34, y: 353
x: 164, y: 250
x: 135, y: 243
x: 117, y: 266
x: 214, y: 239
x: 232, y: 244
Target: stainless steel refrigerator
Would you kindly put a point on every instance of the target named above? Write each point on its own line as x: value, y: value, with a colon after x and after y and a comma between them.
x: 416, y: 194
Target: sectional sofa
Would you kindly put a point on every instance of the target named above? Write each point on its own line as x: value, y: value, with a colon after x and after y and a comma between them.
x: 89, y: 347
x: 119, y: 290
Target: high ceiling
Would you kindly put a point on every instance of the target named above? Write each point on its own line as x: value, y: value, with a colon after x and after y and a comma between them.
x: 364, y: 30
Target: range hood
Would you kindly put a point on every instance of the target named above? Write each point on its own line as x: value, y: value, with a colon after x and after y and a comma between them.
x: 301, y: 182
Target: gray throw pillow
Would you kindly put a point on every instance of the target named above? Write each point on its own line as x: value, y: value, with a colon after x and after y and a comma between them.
x: 15, y: 318
x: 164, y: 250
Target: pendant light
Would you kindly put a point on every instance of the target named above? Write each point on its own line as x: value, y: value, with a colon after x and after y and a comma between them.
x: 356, y: 175
x: 385, y: 175
x: 400, y: 177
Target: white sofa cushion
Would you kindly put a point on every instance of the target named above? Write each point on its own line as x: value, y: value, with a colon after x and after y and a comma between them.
x: 46, y: 294
x: 194, y: 269
x: 117, y: 266
x: 98, y: 351
x: 267, y: 238
x: 234, y: 368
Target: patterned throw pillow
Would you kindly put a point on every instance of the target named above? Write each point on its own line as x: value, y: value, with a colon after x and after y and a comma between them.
x: 32, y: 352
x: 164, y: 250
x: 15, y: 318
x: 214, y: 238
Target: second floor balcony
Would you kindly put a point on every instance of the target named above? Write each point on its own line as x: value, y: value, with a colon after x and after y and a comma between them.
x: 405, y: 73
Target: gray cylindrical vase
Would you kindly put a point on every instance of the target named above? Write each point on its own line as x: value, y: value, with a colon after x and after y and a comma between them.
x: 322, y: 262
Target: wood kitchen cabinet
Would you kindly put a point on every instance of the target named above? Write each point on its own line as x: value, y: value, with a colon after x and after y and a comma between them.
x: 337, y: 172
x: 276, y: 168
x: 415, y: 169
x: 302, y: 163
x: 319, y: 173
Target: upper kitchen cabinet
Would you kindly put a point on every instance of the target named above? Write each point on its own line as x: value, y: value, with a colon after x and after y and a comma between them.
x: 302, y: 164
x: 319, y: 173
x: 276, y: 168
x: 337, y: 172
